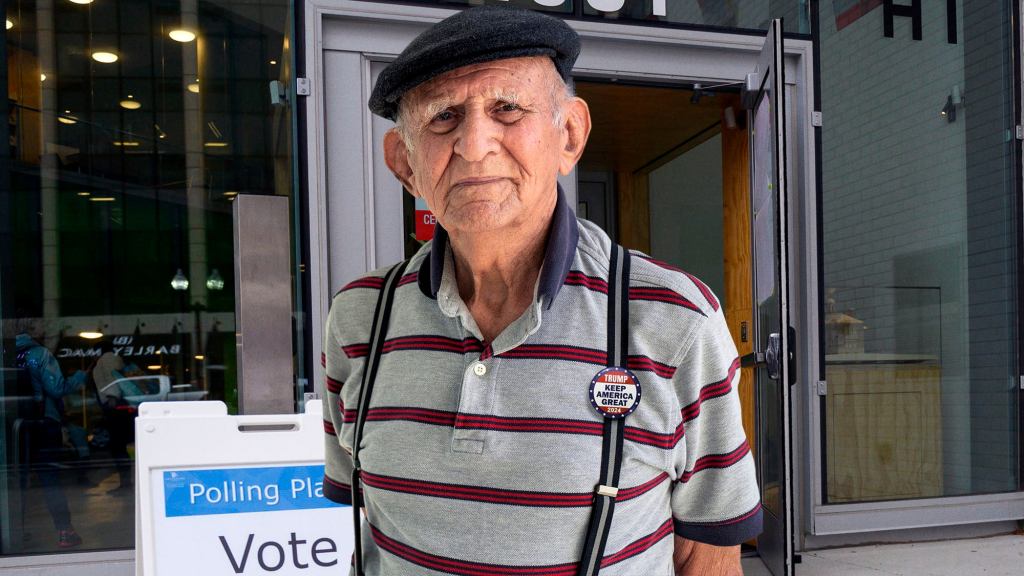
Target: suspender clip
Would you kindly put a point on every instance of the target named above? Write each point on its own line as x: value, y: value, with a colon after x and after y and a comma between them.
x: 610, y: 491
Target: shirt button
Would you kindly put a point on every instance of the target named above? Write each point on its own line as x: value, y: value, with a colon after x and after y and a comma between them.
x: 479, y: 369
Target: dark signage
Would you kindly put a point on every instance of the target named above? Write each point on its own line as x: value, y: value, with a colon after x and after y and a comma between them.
x: 913, y: 11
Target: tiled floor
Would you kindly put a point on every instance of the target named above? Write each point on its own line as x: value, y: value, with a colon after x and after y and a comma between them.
x: 995, y: 556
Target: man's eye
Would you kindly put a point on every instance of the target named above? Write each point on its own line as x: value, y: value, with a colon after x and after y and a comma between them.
x: 444, y: 116
x: 509, y: 107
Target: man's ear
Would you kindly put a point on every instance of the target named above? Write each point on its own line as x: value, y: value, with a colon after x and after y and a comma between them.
x: 396, y: 156
x: 576, y: 118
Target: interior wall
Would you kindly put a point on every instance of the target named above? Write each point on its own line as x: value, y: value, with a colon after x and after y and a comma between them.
x: 686, y: 213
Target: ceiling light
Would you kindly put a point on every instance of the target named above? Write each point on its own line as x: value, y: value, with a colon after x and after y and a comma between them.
x: 81, y: 1
x: 89, y: 335
x: 67, y: 119
x: 104, y: 57
x: 130, y: 103
x: 230, y: 193
x: 215, y: 144
x: 83, y: 193
x: 182, y: 35
x: 273, y: 61
x: 194, y: 87
x: 125, y: 143
x: 42, y: 77
x: 10, y: 24
x: 200, y: 357
x: 154, y: 367
x: 102, y: 199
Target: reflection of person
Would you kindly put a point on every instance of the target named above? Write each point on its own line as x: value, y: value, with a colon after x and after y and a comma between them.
x: 118, y: 415
x: 43, y: 435
x: 491, y: 436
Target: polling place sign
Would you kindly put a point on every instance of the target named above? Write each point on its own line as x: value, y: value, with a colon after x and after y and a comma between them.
x: 226, y: 495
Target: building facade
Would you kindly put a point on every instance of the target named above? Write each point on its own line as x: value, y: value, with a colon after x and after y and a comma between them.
x: 144, y: 138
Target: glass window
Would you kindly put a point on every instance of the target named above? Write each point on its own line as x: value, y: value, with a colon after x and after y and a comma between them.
x: 131, y: 128
x: 920, y: 251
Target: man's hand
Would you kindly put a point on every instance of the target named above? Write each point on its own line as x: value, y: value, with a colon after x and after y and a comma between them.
x: 696, y: 559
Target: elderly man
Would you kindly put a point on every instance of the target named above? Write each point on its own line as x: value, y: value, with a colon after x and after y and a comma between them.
x: 522, y: 396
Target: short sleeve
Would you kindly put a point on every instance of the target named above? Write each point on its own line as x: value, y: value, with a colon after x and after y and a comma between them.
x: 715, y: 498
x: 337, y: 460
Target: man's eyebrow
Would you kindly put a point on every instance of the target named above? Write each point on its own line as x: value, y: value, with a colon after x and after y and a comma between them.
x: 434, y: 107
x: 437, y: 105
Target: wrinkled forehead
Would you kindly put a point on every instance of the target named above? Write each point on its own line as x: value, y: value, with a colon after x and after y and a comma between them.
x: 507, y: 79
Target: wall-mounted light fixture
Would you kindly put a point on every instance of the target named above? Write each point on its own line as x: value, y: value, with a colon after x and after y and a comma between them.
x: 954, y: 100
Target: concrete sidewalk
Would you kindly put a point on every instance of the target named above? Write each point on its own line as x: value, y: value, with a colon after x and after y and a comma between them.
x: 993, y: 556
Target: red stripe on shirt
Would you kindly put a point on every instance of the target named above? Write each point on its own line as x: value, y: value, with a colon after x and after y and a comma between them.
x: 467, y: 568
x: 713, y: 390
x: 514, y: 424
x: 499, y: 495
x: 716, y: 461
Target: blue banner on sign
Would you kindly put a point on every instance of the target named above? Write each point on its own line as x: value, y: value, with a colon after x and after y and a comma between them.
x: 237, y: 490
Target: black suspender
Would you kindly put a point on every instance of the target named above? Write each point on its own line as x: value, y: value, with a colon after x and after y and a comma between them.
x: 611, y: 444
x: 378, y: 332
x: 614, y: 426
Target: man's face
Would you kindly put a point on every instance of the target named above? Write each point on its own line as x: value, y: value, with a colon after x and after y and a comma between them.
x: 484, y: 149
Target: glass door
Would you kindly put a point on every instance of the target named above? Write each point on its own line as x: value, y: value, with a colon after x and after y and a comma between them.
x: 772, y: 357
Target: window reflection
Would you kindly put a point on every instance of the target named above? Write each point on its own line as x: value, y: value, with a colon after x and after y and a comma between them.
x: 131, y: 128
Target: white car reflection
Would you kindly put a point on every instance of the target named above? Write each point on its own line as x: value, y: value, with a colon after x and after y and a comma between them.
x: 138, y: 389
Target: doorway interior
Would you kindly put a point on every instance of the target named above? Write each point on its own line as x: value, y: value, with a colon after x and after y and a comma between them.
x: 666, y: 171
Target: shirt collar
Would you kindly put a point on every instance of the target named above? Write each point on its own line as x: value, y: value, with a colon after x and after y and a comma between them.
x: 558, y: 256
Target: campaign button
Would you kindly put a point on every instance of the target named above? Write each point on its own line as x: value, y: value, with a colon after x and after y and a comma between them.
x: 615, y: 392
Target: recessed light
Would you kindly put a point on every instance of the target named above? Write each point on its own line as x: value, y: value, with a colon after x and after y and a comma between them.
x: 130, y: 103
x: 154, y: 367
x: 125, y: 143
x: 273, y: 61
x: 194, y: 87
x: 42, y: 77
x: 104, y: 57
x: 67, y: 119
x: 81, y: 1
x: 102, y: 199
x: 200, y: 357
x: 89, y: 335
x: 215, y: 144
x: 83, y: 194
x: 10, y: 24
x: 230, y: 193
x: 182, y: 35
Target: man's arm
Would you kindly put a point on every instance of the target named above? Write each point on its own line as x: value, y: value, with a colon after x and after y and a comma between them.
x: 697, y: 559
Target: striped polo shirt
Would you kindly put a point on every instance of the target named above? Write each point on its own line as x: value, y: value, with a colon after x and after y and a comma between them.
x: 482, y: 457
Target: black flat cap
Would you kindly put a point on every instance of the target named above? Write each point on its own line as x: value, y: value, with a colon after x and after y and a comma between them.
x: 480, y: 34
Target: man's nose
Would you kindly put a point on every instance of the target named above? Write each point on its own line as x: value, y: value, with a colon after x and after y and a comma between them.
x: 478, y: 135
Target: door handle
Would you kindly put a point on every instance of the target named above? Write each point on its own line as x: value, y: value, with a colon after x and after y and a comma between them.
x: 772, y: 355
x: 757, y: 359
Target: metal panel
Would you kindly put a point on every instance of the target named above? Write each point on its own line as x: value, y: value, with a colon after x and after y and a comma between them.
x: 263, y: 305
x: 906, y: 514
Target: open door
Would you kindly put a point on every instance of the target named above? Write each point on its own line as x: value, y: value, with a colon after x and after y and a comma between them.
x: 772, y: 358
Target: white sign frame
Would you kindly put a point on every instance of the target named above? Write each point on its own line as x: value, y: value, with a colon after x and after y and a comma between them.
x: 201, y: 436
